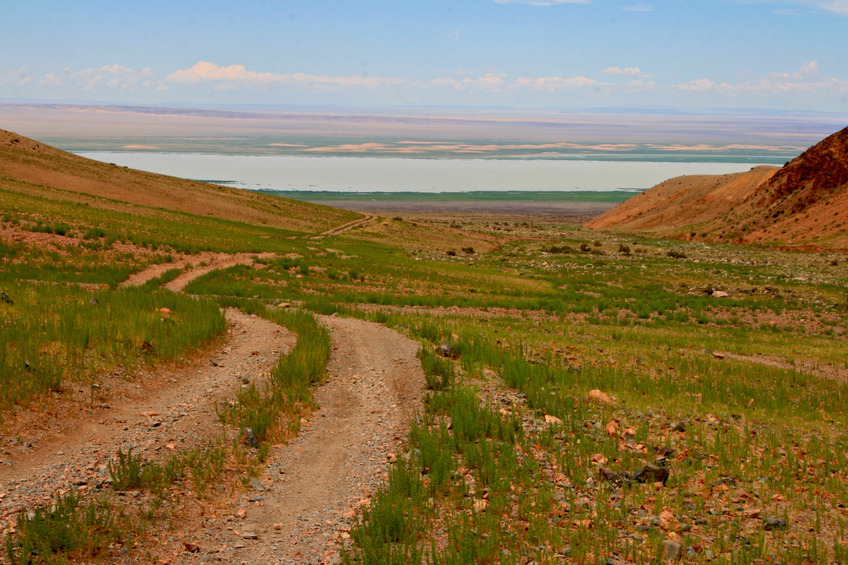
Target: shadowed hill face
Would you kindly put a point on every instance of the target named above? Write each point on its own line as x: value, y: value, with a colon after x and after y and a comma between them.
x: 817, y: 173
x: 803, y: 203
x: 39, y: 165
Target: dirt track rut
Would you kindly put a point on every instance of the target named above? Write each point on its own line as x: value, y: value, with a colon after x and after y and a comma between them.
x: 301, y: 507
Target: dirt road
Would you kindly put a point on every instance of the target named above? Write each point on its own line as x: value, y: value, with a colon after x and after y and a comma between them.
x: 306, y: 499
x: 301, y: 507
x: 158, y: 412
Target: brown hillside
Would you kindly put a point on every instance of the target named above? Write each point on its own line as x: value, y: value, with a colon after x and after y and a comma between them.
x: 804, y: 203
x: 28, y: 161
x: 681, y: 203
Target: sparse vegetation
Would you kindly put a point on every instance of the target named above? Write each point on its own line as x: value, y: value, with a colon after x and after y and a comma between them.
x: 724, y: 366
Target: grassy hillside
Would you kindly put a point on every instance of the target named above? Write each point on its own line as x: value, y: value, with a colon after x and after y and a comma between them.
x: 580, y: 361
x: 34, y: 168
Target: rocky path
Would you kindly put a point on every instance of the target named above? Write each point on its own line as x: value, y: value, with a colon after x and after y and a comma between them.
x: 301, y: 507
x: 347, y: 227
x: 195, y: 265
x: 164, y: 411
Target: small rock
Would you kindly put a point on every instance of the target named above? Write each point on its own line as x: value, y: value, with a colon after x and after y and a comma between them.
x: 651, y: 474
x: 249, y: 535
x: 5, y: 298
x: 552, y: 419
x: 664, y: 451
x: 671, y: 550
x: 613, y: 477
x: 726, y: 480
x: 679, y: 427
x: 773, y: 523
x: 256, y: 484
x: 249, y: 438
x: 596, y: 394
x: 446, y: 350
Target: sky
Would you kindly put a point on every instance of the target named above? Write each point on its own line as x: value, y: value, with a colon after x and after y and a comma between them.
x: 786, y: 56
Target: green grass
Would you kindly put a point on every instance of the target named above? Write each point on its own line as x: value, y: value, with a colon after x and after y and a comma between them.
x: 72, y: 529
x: 274, y: 412
x: 56, y: 333
x: 503, y: 466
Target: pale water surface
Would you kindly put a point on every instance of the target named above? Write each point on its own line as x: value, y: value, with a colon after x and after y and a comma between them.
x: 389, y: 174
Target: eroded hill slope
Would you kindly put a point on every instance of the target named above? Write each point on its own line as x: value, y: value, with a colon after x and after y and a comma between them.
x: 803, y: 203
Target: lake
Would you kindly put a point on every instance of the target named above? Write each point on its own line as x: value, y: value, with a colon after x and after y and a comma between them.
x: 391, y: 174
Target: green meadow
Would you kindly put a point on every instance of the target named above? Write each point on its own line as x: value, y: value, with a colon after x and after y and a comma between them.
x: 723, y: 366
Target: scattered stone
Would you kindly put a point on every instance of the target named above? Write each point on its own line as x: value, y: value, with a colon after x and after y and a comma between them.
x: 191, y: 547
x: 664, y: 451
x: 651, y: 474
x: 613, y: 477
x: 671, y: 550
x: 249, y: 438
x: 249, y: 535
x: 5, y: 298
x: 726, y: 480
x: 773, y: 523
x: 552, y: 419
x: 678, y: 427
x: 256, y: 483
x: 719, y: 294
x: 446, y: 350
x: 93, y: 301
x: 596, y: 394
x: 667, y: 521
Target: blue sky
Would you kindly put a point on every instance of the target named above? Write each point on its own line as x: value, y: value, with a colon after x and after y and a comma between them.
x: 654, y: 54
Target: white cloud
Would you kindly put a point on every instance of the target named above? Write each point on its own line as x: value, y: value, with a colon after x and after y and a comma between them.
x: 17, y: 77
x: 492, y: 81
x: 838, y: 6
x: 238, y: 76
x: 640, y: 7
x: 835, y: 6
x: 807, y: 79
x: 115, y: 77
x: 554, y: 84
x: 629, y: 71
x: 543, y: 2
